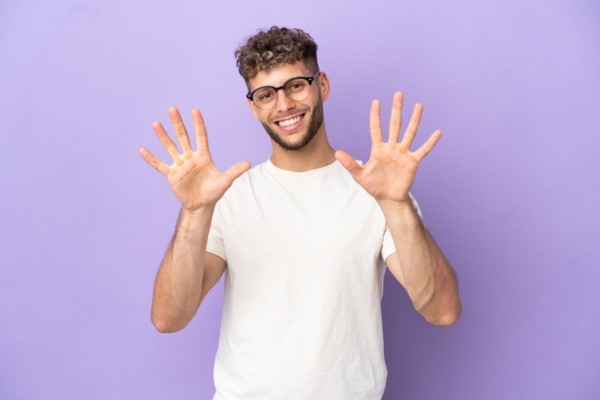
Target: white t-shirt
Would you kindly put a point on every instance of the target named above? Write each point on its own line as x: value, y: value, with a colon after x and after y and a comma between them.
x: 303, y: 286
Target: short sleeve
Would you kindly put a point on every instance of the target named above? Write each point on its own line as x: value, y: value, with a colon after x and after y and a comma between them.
x: 215, y: 243
x: 388, y: 248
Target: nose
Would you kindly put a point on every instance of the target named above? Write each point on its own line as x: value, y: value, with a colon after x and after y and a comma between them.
x: 283, y: 101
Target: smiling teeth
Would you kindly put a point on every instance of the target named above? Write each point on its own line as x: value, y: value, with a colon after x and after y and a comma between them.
x: 289, y: 122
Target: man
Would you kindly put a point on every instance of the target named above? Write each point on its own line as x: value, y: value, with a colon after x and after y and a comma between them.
x: 298, y: 238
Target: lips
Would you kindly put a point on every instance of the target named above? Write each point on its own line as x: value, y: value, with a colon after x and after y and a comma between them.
x: 290, y: 124
x: 290, y: 121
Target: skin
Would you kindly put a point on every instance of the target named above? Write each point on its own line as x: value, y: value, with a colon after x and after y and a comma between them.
x: 418, y: 263
x: 315, y: 121
x: 188, y: 272
x: 316, y: 153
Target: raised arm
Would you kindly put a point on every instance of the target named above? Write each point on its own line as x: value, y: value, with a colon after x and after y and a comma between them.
x: 418, y: 263
x: 187, y: 271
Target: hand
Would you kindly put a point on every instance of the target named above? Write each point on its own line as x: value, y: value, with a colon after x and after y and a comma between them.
x: 193, y: 176
x: 391, y: 169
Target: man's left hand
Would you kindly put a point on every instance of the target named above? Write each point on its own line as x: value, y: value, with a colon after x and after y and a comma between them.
x: 391, y: 169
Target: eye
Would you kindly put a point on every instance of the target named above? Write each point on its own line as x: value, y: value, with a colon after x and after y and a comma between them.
x: 296, y: 86
x: 264, y: 95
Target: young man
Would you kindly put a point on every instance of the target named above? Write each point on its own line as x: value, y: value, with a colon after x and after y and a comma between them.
x: 298, y: 238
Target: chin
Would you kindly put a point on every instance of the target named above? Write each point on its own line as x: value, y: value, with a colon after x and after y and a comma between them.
x: 298, y: 144
x: 314, y: 124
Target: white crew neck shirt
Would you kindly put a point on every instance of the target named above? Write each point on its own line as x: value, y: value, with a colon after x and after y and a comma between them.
x: 303, y: 286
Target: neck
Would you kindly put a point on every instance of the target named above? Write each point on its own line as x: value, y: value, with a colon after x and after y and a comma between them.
x: 318, y: 153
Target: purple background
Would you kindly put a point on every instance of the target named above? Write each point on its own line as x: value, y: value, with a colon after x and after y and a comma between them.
x: 510, y: 193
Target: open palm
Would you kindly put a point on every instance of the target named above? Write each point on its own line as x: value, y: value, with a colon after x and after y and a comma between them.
x: 193, y: 177
x: 391, y: 169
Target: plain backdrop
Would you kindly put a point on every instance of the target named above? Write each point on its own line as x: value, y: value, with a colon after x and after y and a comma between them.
x: 510, y: 193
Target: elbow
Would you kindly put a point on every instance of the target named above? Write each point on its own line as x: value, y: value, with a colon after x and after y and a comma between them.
x: 164, y: 326
x: 448, y: 318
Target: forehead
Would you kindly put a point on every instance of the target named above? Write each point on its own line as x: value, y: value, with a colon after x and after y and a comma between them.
x: 277, y: 76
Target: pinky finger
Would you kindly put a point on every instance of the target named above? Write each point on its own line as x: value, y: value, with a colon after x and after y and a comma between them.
x: 155, y: 162
x: 422, y: 151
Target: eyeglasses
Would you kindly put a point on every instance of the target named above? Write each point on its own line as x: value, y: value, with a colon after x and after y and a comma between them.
x: 297, y: 89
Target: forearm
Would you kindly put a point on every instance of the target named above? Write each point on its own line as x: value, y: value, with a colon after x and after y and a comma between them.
x: 179, y: 282
x: 421, y: 267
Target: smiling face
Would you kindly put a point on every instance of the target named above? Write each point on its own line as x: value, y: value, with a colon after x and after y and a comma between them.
x: 292, y: 125
x: 297, y: 131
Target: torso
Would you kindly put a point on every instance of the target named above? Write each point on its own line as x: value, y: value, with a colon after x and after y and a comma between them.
x: 303, y: 286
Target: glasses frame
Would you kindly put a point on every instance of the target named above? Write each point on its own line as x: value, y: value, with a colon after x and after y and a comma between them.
x: 309, y: 79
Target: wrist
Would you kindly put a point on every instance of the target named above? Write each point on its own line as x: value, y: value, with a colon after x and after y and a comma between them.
x: 401, y: 213
x: 397, y: 205
x: 199, y: 212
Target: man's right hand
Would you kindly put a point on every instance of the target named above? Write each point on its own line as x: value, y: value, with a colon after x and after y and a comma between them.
x: 194, y: 178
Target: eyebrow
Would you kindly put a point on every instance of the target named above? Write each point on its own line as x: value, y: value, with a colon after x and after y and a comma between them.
x: 250, y: 92
x: 282, y: 86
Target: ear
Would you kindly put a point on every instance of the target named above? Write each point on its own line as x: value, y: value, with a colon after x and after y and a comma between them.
x: 252, y: 108
x: 324, y: 86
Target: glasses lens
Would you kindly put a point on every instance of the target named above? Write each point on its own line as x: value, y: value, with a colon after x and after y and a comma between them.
x: 265, y: 98
x: 298, y: 89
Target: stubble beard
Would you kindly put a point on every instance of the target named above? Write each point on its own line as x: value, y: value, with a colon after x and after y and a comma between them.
x: 313, y: 128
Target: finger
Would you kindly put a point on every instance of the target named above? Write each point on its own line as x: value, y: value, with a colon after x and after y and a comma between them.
x: 413, y: 125
x: 396, y: 118
x: 375, y: 122
x: 154, y: 162
x: 166, y: 141
x: 180, y: 131
x: 348, y: 162
x: 427, y: 146
x: 200, y: 129
x: 236, y: 170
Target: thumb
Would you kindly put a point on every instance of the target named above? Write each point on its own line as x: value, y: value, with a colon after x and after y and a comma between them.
x: 348, y: 162
x: 238, y: 169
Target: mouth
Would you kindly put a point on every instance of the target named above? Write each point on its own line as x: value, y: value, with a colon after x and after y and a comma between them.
x: 290, y: 123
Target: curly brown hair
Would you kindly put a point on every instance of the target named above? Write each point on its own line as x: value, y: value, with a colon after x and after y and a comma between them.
x: 277, y: 46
